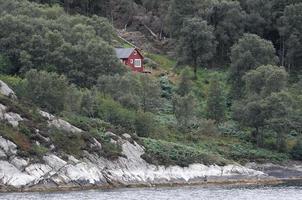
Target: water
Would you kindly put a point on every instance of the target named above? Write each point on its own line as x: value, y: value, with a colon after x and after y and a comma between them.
x: 181, y: 193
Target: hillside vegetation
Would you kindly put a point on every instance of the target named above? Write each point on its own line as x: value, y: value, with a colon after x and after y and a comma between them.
x: 226, y: 85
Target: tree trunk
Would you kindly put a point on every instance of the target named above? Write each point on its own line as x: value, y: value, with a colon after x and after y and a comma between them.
x: 259, y: 137
x: 281, y: 146
x: 195, y: 68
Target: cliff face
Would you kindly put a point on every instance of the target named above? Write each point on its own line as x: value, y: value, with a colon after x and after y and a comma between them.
x: 54, y: 171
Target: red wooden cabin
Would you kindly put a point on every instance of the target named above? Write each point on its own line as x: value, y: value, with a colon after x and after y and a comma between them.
x: 131, y: 57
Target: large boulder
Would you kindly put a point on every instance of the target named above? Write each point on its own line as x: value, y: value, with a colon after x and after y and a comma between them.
x: 8, y: 147
x: 59, y: 123
x: 6, y: 91
x: 10, y: 117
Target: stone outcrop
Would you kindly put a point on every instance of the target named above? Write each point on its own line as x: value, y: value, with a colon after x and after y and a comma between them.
x: 59, y: 123
x: 6, y: 91
x: 10, y: 117
x: 93, y: 170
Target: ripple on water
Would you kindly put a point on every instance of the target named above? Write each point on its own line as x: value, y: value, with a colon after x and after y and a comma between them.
x: 181, y: 193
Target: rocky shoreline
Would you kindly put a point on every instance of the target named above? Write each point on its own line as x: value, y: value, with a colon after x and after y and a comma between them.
x: 93, y: 172
x: 55, y: 172
x: 213, y: 181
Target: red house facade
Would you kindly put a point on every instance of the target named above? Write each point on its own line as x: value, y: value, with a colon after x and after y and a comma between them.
x: 131, y: 57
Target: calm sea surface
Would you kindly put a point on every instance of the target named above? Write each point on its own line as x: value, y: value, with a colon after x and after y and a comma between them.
x: 181, y: 193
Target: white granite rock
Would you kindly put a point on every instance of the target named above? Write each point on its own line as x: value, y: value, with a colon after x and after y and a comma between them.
x: 19, y: 163
x: 13, y: 118
x: 127, y: 136
x: 110, y: 134
x: 92, y: 169
x: 54, y: 162
x: 6, y: 91
x: 3, y: 155
x: 38, y: 171
x: 8, y: 147
x: 11, y: 176
x: 59, y: 123
x: 10, y: 117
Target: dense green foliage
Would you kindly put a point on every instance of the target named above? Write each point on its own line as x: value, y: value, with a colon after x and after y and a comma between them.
x: 161, y: 152
x: 244, y: 102
x: 297, y: 151
x: 197, y: 43
x: 45, y: 38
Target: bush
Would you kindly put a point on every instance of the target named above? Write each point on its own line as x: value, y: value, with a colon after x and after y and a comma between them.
x: 150, y: 63
x: 67, y: 142
x: 14, y: 82
x: 166, y: 153
x: 47, y: 90
x: 12, y: 134
x: 85, y: 123
x: 296, y: 152
x: 109, y: 150
x: 26, y: 111
x: 132, y: 91
x: 166, y: 87
x: 5, y: 64
x: 231, y: 128
x: 246, y: 153
x: 144, y: 124
x: 206, y: 127
x: 113, y: 112
x: 38, y: 150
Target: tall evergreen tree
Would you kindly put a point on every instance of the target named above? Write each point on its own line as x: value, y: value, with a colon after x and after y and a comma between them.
x: 197, y: 43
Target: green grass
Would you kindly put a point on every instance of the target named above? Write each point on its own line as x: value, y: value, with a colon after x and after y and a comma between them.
x: 121, y: 43
x: 162, y: 60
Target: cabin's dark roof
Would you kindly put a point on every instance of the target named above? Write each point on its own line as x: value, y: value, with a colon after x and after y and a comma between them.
x: 122, y: 53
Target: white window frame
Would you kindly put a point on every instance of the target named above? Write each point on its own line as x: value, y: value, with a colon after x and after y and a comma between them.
x: 131, y: 61
x: 140, y: 63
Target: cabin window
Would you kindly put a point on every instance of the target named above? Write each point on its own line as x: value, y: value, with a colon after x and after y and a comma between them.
x: 131, y: 61
x: 137, y: 63
x: 135, y: 53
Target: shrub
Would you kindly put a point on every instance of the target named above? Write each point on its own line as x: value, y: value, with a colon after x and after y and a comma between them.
x: 166, y: 153
x: 67, y: 142
x: 150, y: 63
x: 296, y: 152
x: 26, y: 111
x: 205, y: 127
x: 231, y: 128
x: 38, y: 150
x: 167, y: 87
x: 48, y: 90
x: 109, y: 150
x: 14, y: 82
x: 132, y: 91
x: 12, y: 134
x: 113, y: 112
x: 85, y: 123
x: 246, y: 153
x: 144, y: 124
x: 5, y: 65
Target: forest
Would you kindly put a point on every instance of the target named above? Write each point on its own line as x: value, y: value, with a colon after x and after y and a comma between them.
x: 229, y: 87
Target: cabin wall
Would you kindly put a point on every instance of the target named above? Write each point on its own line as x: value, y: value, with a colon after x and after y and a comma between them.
x: 132, y: 57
